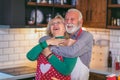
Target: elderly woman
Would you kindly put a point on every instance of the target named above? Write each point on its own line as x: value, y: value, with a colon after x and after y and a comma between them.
x: 49, y: 65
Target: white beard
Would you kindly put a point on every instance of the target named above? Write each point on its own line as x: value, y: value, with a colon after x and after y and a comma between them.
x: 73, y: 28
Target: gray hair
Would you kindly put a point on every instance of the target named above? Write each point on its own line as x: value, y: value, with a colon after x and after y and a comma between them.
x: 76, y: 10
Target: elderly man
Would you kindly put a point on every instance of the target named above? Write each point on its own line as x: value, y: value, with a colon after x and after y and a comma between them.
x: 83, y: 45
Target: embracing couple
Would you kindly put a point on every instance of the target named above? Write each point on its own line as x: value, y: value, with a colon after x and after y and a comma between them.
x: 65, y: 53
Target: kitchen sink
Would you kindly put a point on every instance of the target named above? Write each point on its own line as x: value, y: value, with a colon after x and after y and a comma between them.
x: 5, y: 75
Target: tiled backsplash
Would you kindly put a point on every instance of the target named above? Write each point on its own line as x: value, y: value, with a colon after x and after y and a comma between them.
x: 15, y: 43
x: 112, y: 36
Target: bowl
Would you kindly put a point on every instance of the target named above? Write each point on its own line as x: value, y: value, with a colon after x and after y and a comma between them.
x: 31, y: 22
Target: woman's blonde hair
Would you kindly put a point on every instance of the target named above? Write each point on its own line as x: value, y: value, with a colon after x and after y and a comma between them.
x: 49, y: 25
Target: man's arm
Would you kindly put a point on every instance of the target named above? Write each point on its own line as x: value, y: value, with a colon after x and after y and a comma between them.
x: 34, y: 53
x: 81, y: 46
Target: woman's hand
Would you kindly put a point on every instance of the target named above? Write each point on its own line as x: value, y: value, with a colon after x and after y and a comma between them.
x: 69, y: 42
x: 53, y: 78
x: 54, y: 41
x: 46, y: 52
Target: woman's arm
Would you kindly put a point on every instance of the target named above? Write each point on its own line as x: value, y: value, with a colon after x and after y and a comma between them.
x: 65, y: 67
x: 34, y: 52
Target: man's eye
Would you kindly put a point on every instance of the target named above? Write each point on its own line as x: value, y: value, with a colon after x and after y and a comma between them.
x: 58, y: 22
x: 72, y: 19
x: 69, y: 19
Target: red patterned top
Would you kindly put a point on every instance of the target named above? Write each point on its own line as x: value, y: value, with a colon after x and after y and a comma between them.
x: 45, y: 71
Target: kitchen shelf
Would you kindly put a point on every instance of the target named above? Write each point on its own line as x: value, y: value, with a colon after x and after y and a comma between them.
x: 31, y: 3
x: 49, y: 5
x: 113, y: 27
x: 36, y: 26
x: 113, y: 15
x: 114, y: 6
x: 46, y: 9
x: 42, y: 25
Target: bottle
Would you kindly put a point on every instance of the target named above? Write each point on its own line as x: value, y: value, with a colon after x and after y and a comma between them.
x: 118, y: 22
x: 109, y: 60
x: 50, y: 1
x: 38, y: 1
x: 65, y: 1
x: 112, y: 21
x: 118, y: 77
x: 117, y: 63
x: 61, y: 2
x: 73, y: 2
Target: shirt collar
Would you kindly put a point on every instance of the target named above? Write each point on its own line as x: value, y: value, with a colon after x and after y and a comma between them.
x: 75, y: 34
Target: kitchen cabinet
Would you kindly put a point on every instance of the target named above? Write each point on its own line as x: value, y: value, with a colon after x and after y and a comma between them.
x: 95, y: 76
x: 17, y: 13
x: 94, y: 12
x: 113, y: 17
x: 12, y: 12
x: 39, y: 13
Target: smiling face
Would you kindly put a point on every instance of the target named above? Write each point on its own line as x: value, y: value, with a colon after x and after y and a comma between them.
x: 73, y: 21
x: 56, y: 27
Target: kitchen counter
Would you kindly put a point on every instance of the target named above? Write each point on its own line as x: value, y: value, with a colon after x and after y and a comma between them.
x: 105, y: 71
x: 19, y: 77
x: 28, y: 72
x: 16, y: 73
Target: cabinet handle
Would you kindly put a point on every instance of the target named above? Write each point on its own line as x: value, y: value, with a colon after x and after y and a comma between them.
x: 86, y: 15
x: 90, y: 14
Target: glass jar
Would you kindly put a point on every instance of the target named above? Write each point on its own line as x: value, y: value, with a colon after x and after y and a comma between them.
x: 118, y: 1
x: 49, y: 17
